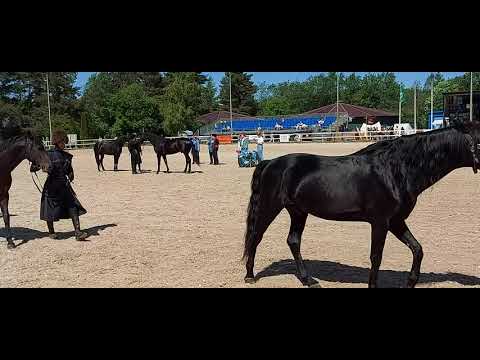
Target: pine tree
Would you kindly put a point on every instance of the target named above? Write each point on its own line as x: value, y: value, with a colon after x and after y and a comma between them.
x: 243, y: 93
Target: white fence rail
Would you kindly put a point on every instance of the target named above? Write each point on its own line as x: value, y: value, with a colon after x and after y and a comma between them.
x: 322, y: 137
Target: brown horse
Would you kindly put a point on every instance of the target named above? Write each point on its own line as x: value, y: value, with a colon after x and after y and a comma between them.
x: 13, y: 150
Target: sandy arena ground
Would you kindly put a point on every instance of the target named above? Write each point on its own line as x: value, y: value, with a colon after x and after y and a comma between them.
x: 180, y: 230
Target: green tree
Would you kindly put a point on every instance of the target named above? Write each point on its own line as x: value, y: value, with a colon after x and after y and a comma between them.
x: 133, y: 110
x: 26, y: 91
x: 243, y: 93
x: 186, y: 96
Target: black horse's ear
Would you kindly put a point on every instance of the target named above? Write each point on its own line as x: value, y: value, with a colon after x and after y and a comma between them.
x: 460, y: 125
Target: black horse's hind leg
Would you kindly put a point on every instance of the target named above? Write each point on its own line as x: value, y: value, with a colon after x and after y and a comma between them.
x: 379, y: 234
x: 188, y: 163
x: 166, y: 162
x: 115, y: 162
x: 264, y: 218
x: 6, y: 219
x: 297, y: 225
x: 401, y: 231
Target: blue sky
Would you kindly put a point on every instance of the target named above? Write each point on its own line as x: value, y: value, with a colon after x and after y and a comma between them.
x: 407, y: 78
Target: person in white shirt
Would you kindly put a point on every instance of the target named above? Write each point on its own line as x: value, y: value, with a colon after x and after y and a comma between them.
x: 260, y: 141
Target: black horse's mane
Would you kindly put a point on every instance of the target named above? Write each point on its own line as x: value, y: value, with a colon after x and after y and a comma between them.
x: 11, y: 134
x: 417, y: 144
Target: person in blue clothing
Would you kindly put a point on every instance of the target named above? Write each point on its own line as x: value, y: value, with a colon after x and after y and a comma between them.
x: 196, y: 150
x: 260, y: 141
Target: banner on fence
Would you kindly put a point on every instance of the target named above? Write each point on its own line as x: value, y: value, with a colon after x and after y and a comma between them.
x: 224, y: 139
x: 284, y: 138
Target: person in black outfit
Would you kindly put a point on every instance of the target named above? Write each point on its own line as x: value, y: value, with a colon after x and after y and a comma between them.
x: 59, y: 201
x: 135, y: 148
x: 216, y: 145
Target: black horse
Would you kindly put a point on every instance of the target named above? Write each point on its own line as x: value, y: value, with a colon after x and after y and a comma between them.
x: 109, y: 147
x: 378, y: 185
x: 15, y: 148
x: 135, y: 149
x: 164, y: 147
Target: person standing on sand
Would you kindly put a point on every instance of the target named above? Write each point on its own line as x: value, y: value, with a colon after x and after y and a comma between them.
x: 59, y: 201
x: 260, y: 141
x: 216, y: 146
x: 211, y: 140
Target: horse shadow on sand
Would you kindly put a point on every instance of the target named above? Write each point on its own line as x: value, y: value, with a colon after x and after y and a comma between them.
x: 26, y: 235
x: 336, y: 272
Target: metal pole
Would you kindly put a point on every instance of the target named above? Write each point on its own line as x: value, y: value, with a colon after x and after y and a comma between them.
x: 471, y: 96
x: 431, y: 105
x: 415, y: 108
x: 231, y: 114
x: 49, y: 114
x: 338, y: 92
x: 400, y: 112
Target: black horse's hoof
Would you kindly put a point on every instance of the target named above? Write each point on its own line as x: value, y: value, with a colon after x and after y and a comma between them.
x: 11, y: 246
x: 249, y: 280
x: 310, y: 282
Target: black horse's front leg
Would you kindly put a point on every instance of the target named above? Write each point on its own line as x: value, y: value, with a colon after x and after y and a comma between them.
x: 402, y: 232
x: 101, y: 161
x: 158, y: 163
x: 6, y: 219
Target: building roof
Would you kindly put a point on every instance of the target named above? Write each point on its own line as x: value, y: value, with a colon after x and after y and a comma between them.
x: 216, y: 116
x: 352, y: 110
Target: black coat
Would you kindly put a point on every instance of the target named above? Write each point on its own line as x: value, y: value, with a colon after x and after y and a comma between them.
x: 58, y: 195
x: 135, y: 148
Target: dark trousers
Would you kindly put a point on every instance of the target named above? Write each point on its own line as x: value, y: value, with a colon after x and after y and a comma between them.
x: 196, y: 157
x: 211, y: 157
x: 215, y: 156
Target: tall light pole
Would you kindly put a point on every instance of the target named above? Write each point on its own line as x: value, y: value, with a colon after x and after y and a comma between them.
x: 400, y: 109
x: 471, y: 96
x: 338, y: 95
x: 49, y: 114
x: 431, y: 102
x: 415, y: 108
x: 231, y: 113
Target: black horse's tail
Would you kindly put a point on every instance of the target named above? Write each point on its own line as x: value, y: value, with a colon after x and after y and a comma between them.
x: 252, y: 212
x: 96, y: 150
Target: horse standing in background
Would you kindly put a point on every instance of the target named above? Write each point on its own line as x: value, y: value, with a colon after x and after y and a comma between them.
x: 164, y: 147
x: 109, y: 147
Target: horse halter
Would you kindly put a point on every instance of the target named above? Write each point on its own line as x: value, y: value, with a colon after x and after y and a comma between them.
x: 474, y: 147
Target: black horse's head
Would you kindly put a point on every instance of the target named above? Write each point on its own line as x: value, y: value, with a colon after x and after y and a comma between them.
x: 35, y: 151
x: 471, y: 130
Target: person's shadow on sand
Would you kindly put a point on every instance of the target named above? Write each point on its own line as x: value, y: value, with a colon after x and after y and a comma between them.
x: 26, y: 235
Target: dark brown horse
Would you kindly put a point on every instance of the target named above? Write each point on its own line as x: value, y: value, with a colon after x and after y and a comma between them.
x: 164, y: 147
x: 15, y: 148
x: 109, y: 147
